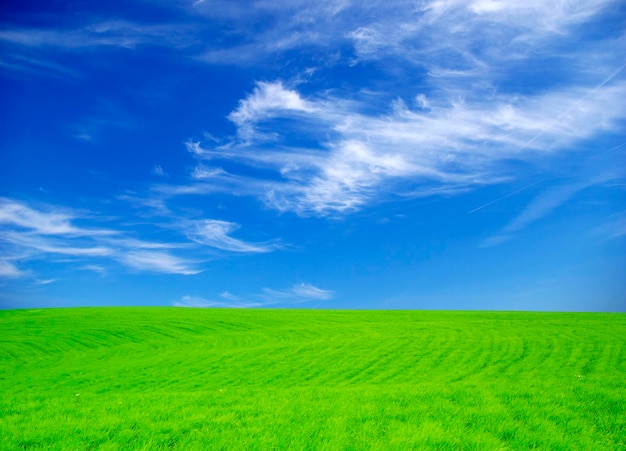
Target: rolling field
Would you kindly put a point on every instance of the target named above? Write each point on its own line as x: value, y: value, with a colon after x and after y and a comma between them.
x: 185, y: 379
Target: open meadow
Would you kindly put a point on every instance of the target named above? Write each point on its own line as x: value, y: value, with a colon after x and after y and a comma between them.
x: 185, y: 379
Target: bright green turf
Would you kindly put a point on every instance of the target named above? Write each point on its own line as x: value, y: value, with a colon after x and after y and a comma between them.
x: 171, y: 378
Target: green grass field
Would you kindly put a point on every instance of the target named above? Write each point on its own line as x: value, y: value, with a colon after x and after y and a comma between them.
x: 172, y: 378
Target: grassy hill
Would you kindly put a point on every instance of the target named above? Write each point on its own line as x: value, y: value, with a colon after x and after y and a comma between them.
x: 172, y: 378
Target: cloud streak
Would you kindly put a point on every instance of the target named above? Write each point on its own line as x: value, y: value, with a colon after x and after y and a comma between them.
x: 297, y: 294
x: 408, y: 151
x: 216, y: 234
x: 28, y: 234
x: 114, y: 33
x: 9, y: 270
x: 614, y: 227
x: 540, y: 207
x: 200, y: 302
x: 41, y: 222
x: 160, y: 262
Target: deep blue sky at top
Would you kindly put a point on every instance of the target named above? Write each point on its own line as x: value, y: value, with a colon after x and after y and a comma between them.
x: 315, y: 154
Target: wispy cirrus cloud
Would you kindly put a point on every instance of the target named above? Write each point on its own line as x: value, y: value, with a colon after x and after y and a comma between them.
x: 540, y: 207
x: 471, y: 34
x: 279, y: 28
x: 405, y: 151
x: 31, y: 234
x: 614, y: 227
x: 158, y: 170
x: 106, y: 116
x: 9, y: 270
x: 160, y: 262
x: 551, y: 199
x: 598, y: 171
x: 447, y: 37
x: 33, y: 63
x: 28, y: 234
x: 297, y: 294
x: 51, y: 222
x: 450, y: 38
x: 113, y: 33
x: 200, y: 302
x: 216, y: 234
x: 60, y: 245
x: 36, y: 50
x: 267, y: 101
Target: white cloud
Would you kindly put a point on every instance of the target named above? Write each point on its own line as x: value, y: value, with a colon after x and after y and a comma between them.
x: 613, y: 228
x: 193, y: 301
x: 538, y: 208
x: 30, y: 234
x: 297, y: 293
x: 447, y: 147
x: 279, y: 27
x: 453, y: 33
x: 118, y: 33
x: 9, y: 270
x: 45, y: 282
x: 228, y: 295
x: 267, y: 100
x: 199, y: 302
x: 460, y: 37
x: 99, y: 269
x: 158, y: 171
x: 133, y: 243
x: 215, y: 233
x: 35, y: 65
x: 36, y: 49
x: 160, y: 262
x: 57, y: 246
x: 41, y: 222
x: 306, y: 290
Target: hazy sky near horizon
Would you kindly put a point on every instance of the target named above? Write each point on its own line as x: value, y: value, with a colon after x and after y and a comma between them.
x: 436, y: 154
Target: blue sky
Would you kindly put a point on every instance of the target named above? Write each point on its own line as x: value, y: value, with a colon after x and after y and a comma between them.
x: 436, y: 154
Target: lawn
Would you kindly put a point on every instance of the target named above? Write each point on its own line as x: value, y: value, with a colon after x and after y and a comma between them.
x: 185, y: 379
